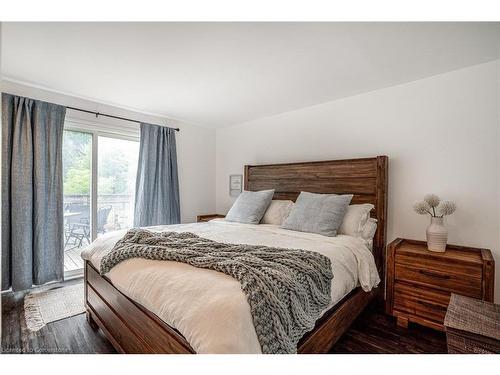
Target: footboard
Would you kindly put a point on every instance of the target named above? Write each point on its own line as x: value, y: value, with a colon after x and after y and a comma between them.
x: 130, y: 327
x: 335, y: 322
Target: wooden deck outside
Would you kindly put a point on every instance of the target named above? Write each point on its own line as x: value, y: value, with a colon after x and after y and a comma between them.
x: 72, y: 259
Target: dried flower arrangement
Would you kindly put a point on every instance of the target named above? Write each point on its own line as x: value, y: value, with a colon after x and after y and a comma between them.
x: 433, y: 206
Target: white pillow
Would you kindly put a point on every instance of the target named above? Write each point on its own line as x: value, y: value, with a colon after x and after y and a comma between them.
x: 355, y: 219
x: 369, y: 232
x: 369, y: 229
x: 277, y: 212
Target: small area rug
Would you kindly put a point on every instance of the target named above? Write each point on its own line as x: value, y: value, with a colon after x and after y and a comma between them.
x: 42, y: 307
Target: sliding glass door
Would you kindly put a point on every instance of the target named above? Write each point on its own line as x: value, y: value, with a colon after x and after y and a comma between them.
x: 99, y: 188
x: 117, y: 169
x: 77, y: 178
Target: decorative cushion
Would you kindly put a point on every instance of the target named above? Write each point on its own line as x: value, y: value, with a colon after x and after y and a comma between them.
x: 355, y: 219
x: 277, y: 212
x: 318, y: 213
x: 250, y: 206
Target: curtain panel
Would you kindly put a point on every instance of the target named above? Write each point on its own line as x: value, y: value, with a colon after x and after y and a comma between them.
x: 32, y: 192
x: 157, y: 183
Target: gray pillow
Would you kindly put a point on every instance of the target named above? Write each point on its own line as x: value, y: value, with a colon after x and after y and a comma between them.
x: 250, y: 206
x: 318, y: 213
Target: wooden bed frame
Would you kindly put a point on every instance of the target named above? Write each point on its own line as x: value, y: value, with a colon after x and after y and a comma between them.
x: 131, y: 328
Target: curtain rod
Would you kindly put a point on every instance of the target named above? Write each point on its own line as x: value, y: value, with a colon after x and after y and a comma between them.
x: 97, y: 114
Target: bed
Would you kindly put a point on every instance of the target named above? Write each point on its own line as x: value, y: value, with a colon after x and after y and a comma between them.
x: 133, y: 313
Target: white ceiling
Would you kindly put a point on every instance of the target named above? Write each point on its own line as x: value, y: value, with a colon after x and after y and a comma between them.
x: 219, y: 74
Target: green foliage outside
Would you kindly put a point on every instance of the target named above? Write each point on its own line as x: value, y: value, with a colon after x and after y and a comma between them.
x: 113, y: 165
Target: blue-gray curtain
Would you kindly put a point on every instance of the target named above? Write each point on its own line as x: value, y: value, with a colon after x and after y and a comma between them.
x: 157, y: 183
x: 32, y: 193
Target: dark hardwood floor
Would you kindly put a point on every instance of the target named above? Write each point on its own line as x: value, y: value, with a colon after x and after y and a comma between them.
x: 71, y: 335
x: 372, y: 332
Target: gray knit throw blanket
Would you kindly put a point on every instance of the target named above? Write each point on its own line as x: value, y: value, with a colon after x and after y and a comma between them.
x: 286, y: 288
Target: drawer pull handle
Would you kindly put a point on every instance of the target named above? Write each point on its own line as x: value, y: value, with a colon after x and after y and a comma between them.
x: 432, y: 274
x: 431, y: 305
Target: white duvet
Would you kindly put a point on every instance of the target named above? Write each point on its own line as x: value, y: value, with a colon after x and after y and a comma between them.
x: 209, y: 308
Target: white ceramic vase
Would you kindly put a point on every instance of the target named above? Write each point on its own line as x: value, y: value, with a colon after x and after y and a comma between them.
x: 437, y: 235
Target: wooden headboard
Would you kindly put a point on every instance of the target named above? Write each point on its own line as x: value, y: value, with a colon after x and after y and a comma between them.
x: 366, y: 178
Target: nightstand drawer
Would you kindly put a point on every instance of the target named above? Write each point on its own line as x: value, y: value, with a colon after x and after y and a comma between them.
x: 425, y: 303
x: 441, y: 265
x: 448, y: 282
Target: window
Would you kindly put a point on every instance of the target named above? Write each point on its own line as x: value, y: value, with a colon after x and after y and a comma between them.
x: 99, y: 172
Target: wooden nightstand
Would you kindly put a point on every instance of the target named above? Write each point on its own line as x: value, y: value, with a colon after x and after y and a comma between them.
x: 201, y: 218
x: 420, y: 282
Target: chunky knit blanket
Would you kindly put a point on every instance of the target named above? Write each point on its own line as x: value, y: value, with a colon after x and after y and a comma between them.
x: 286, y: 288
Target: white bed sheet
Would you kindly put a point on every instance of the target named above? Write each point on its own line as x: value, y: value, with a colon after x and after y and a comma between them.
x: 209, y: 308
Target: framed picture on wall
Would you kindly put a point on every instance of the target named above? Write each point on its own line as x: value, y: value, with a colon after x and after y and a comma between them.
x: 235, y: 184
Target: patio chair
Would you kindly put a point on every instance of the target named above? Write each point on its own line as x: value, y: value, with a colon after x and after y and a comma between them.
x: 102, y: 218
x: 80, y: 231
x: 74, y: 225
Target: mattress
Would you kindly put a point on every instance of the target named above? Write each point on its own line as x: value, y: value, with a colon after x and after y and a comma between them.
x: 209, y: 308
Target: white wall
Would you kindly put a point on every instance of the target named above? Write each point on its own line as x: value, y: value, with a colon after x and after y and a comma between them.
x: 195, y: 145
x: 441, y: 135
